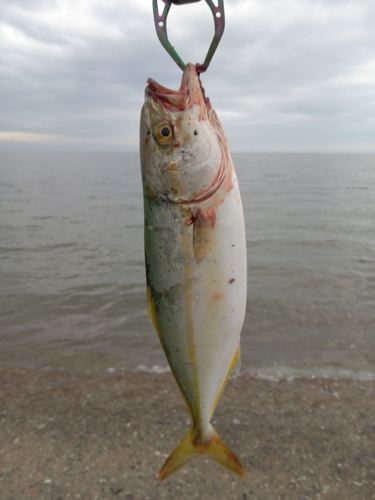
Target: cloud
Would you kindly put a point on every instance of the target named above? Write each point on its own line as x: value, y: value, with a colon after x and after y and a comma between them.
x: 28, y: 138
x: 289, y: 75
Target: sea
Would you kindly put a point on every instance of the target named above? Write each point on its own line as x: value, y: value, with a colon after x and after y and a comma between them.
x: 72, y: 273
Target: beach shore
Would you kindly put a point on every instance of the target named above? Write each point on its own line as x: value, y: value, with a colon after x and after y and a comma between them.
x: 68, y: 435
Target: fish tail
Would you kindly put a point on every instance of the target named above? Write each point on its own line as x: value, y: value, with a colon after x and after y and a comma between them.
x: 192, y: 446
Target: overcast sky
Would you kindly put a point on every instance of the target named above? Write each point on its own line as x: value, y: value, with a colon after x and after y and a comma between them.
x: 289, y: 75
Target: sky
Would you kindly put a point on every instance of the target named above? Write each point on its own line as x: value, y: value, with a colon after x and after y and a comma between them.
x: 288, y: 75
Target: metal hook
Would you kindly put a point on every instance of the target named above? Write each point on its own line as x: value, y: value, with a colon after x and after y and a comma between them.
x: 161, y: 29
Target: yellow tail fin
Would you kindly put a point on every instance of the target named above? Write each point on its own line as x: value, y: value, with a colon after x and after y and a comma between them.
x: 191, y: 447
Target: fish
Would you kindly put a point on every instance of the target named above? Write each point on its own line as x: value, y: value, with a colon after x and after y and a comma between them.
x: 195, y: 254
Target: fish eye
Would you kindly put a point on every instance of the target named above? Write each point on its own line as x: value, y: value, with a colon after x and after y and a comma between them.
x: 163, y: 132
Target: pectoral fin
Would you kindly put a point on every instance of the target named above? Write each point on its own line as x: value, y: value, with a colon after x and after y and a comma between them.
x: 204, y: 226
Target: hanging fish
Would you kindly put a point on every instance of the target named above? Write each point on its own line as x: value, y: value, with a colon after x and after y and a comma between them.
x: 195, y: 250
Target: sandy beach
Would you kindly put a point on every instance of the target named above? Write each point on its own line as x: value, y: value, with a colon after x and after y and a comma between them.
x: 69, y: 435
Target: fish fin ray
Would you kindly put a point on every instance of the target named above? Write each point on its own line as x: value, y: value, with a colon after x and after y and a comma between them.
x: 236, y: 363
x: 191, y: 447
x: 220, y: 452
x: 152, y: 311
x: 234, y: 366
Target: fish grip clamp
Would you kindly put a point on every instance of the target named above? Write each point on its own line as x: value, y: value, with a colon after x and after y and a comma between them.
x: 160, y: 21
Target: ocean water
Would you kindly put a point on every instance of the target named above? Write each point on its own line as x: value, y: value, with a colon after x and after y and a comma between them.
x: 72, y: 278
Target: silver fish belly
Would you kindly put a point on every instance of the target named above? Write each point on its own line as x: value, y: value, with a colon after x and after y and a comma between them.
x: 195, y: 251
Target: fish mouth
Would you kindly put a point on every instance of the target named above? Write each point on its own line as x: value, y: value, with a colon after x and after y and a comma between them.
x: 189, y: 94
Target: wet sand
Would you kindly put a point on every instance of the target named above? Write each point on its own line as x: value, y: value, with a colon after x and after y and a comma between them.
x: 68, y: 435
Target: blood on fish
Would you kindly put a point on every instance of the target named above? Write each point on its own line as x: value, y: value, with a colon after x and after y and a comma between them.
x: 206, y: 217
x: 210, y: 216
x: 190, y: 220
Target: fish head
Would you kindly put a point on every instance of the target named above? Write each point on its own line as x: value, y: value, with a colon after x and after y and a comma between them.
x: 183, y: 146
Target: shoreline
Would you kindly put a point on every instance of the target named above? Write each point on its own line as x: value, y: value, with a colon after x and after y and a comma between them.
x: 68, y: 434
x: 274, y: 373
